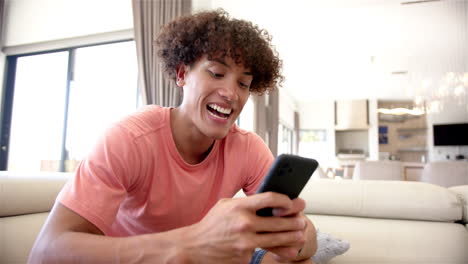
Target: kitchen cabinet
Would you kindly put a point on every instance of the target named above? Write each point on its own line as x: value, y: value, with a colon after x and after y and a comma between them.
x: 351, y: 114
x: 413, y: 173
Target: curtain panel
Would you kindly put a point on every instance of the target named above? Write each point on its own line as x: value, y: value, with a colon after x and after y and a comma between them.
x: 267, y: 119
x: 148, y: 17
x: 2, y: 22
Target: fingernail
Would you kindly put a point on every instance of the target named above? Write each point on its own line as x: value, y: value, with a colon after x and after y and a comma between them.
x: 299, y: 235
x: 299, y: 251
x: 278, y: 211
x: 301, y: 223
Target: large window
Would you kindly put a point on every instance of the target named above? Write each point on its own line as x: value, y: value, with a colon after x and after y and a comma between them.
x: 313, y: 143
x: 285, y: 139
x: 64, y: 100
x: 104, y: 89
x: 247, y: 117
x: 38, y: 111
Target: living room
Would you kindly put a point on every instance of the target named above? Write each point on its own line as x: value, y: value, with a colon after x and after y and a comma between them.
x: 338, y: 57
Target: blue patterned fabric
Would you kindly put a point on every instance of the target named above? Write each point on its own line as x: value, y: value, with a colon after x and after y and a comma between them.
x: 257, y: 256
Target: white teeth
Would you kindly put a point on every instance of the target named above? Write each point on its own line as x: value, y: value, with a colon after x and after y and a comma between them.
x: 217, y: 116
x: 220, y: 109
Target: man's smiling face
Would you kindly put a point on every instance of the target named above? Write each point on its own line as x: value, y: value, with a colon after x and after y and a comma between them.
x: 215, y: 91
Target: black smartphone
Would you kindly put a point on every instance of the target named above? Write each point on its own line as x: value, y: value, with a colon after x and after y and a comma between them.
x: 288, y: 175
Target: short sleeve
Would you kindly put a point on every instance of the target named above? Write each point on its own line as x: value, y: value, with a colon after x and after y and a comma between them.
x: 103, y: 179
x: 259, y: 161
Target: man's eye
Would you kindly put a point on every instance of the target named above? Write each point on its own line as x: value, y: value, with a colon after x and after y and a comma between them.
x: 217, y: 75
x: 243, y: 85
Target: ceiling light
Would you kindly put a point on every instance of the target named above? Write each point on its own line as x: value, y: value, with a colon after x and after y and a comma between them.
x: 418, y: 2
x: 401, y: 111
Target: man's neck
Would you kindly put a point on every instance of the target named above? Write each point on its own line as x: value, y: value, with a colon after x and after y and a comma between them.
x: 191, y: 144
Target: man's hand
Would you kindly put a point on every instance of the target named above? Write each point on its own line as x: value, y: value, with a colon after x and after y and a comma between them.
x: 297, y: 252
x: 231, y: 230
x: 270, y: 259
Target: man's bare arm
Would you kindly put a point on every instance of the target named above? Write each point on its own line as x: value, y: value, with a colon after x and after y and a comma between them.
x: 69, y: 238
x: 229, y: 233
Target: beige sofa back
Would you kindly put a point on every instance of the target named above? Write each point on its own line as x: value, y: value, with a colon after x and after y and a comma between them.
x: 383, y: 199
x: 24, y: 205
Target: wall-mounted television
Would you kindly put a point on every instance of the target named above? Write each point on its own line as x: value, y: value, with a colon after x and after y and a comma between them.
x: 451, y: 134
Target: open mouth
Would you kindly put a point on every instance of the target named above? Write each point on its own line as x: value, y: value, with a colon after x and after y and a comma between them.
x: 218, y: 111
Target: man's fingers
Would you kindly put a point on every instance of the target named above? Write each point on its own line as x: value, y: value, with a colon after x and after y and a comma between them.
x: 279, y: 239
x: 268, y: 200
x: 298, y: 205
x: 280, y: 224
x: 282, y: 254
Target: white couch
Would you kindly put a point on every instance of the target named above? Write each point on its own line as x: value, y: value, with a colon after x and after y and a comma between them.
x: 384, y: 221
x: 446, y: 173
x: 392, y: 221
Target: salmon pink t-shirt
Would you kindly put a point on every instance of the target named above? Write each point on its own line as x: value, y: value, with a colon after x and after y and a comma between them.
x: 135, y: 182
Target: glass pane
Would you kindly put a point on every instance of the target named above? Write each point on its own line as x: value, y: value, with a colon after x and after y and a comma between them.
x: 313, y: 144
x: 285, y: 139
x: 38, y: 112
x: 246, y: 118
x: 104, y: 89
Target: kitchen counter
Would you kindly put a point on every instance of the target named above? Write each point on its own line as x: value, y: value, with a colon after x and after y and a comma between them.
x: 413, y: 164
x: 412, y: 171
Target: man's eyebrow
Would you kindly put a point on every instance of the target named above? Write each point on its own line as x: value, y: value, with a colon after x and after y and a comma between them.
x: 225, y: 64
x: 222, y: 62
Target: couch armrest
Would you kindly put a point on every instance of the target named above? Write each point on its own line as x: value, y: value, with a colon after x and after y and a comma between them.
x: 462, y: 193
x: 22, y: 193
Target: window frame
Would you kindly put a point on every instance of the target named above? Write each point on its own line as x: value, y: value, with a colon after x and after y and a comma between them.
x: 6, y: 105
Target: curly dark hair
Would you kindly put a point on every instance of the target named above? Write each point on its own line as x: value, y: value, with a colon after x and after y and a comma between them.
x: 214, y: 33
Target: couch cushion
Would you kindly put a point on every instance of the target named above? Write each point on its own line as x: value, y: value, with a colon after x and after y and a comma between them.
x: 382, y: 199
x: 18, y: 234
x: 462, y: 192
x: 396, y: 241
x: 29, y: 193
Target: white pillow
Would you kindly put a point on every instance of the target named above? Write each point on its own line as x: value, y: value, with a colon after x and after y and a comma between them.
x: 328, y: 247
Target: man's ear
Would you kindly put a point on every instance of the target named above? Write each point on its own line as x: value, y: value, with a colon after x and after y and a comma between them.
x: 181, y: 72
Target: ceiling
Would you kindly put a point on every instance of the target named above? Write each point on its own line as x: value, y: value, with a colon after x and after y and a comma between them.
x: 362, y: 48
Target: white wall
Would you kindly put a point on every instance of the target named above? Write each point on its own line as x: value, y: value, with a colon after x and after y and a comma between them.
x: 32, y: 21
x: 200, y: 5
x: 317, y: 114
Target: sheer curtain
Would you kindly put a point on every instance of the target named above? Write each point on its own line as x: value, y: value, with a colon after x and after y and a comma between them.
x: 148, y: 17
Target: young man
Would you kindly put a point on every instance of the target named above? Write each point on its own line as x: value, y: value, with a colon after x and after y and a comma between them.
x: 157, y: 187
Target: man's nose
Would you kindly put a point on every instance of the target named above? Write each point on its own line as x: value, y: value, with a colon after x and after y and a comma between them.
x: 229, y: 91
